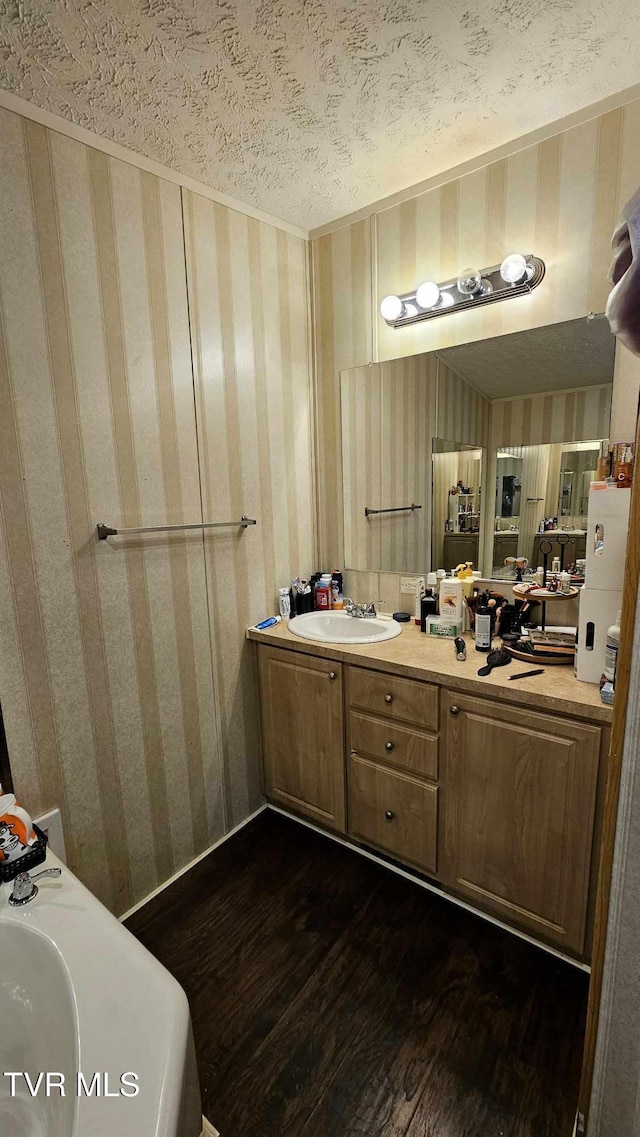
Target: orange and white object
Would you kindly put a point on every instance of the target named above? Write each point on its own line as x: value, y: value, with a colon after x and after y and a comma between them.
x: 16, y: 829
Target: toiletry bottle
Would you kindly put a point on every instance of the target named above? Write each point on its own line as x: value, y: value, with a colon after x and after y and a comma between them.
x: 323, y: 594
x: 335, y: 592
x: 611, y: 649
x: 483, y: 624
x: 451, y: 608
x: 284, y: 602
x: 565, y: 583
x: 418, y: 599
x: 428, y: 608
x: 555, y: 564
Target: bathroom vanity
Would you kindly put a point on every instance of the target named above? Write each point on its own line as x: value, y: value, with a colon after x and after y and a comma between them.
x: 493, y: 790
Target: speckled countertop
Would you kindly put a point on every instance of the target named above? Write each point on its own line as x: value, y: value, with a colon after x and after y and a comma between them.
x: 418, y: 656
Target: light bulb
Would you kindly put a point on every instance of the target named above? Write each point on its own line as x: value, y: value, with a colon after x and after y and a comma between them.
x: 470, y: 282
x: 409, y: 309
x: 513, y: 268
x: 391, y: 308
x: 428, y: 294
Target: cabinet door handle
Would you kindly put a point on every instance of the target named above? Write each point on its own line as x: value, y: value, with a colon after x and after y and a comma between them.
x: 332, y: 675
x: 454, y: 710
x: 388, y: 698
x: 389, y: 746
x: 389, y: 815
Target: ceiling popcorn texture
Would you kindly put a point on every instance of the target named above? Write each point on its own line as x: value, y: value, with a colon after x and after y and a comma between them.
x: 311, y: 109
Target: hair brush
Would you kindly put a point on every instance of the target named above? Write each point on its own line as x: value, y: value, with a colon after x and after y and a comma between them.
x: 496, y: 658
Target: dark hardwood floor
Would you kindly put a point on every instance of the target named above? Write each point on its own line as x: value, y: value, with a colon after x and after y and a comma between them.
x: 330, y: 996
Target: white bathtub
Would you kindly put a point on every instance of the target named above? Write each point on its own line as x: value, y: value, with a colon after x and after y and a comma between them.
x: 80, y: 995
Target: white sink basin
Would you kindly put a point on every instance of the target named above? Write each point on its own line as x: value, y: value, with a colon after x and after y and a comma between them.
x: 338, y: 628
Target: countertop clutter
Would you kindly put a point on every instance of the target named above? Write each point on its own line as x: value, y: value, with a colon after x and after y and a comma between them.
x: 426, y: 657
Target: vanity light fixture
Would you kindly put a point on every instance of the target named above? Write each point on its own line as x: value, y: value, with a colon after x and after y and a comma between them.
x: 518, y: 275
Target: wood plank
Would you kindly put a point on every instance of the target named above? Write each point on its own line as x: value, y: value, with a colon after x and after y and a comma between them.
x: 329, y: 996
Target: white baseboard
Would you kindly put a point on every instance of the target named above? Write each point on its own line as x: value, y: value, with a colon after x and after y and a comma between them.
x: 207, y: 1129
x: 191, y: 864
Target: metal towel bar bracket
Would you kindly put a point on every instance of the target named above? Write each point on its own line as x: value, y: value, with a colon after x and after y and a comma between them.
x: 396, y: 509
x: 105, y: 531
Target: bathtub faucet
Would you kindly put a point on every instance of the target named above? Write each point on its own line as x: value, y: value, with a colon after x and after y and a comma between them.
x: 25, y: 887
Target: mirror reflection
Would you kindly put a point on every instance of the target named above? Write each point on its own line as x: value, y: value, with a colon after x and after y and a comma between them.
x: 542, y: 492
x: 524, y: 414
x: 457, y: 502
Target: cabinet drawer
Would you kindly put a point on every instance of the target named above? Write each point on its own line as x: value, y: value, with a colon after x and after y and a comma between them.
x: 403, y: 699
x: 398, y: 746
x: 394, y: 811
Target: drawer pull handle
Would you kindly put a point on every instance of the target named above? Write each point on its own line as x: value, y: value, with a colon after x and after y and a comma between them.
x: 454, y: 710
x: 389, y: 746
x: 388, y: 698
x: 389, y: 815
x: 332, y: 675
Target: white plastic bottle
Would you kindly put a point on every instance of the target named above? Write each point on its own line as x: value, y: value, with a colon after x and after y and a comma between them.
x: 611, y: 650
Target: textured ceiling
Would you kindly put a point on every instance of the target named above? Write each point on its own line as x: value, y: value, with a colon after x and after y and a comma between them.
x: 310, y: 109
x: 578, y: 353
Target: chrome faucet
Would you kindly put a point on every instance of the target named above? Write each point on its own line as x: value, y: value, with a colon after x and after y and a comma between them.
x: 25, y: 887
x: 359, y: 611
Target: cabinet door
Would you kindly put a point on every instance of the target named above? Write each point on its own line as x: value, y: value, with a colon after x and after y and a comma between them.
x: 303, y: 734
x: 519, y: 803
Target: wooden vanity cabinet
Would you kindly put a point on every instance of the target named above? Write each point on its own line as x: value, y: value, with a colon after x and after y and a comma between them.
x: 499, y: 803
x: 520, y: 797
x: 303, y: 734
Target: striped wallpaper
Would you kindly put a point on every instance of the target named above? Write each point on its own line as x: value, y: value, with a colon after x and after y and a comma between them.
x: 561, y: 416
x: 559, y: 199
x: 388, y: 416
x: 124, y: 677
x: 248, y: 302
x: 390, y: 413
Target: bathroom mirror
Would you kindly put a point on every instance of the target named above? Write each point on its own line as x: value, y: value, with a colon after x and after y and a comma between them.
x: 532, y: 401
x: 544, y: 486
x: 578, y: 465
x: 456, y: 504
